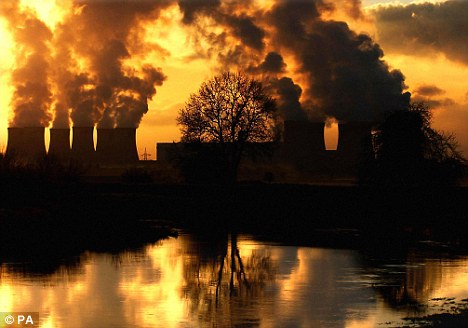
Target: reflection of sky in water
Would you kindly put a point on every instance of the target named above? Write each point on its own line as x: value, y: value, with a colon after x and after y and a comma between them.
x: 173, y: 284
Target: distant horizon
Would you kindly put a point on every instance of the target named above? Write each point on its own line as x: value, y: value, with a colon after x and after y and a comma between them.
x: 176, y: 41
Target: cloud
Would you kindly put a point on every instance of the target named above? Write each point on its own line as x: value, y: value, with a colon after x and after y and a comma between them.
x: 245, y: 29
x: 104, y: 35
x: 273, y: 64
x: 229, y: 32
x: 192, y: 8
x: 289, y: 94
x: 425, y: 28
x: 342, y: 73
x: 32, y: 92
x: 346, y: 76
x: 328, y: 69
x: 432, y: 96
x: 429, y: 90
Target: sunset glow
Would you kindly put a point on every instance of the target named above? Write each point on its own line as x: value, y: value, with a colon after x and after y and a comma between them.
x: 48, y: 11
x: 187, y: 45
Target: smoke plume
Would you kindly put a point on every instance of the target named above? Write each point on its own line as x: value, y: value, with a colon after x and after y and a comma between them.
x: 89, y: 76
x: 97, y: 73
x: 32, y: 95
x: 342, y: 73
x: 346, y: 76
x: 105, y: 34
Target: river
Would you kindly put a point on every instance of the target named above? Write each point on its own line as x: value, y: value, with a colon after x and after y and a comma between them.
x: 236, y: 281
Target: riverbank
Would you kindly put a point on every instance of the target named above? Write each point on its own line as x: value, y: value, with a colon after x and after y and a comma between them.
x: 49, y: 225
x: 453, y: 315
x: 298, y: 213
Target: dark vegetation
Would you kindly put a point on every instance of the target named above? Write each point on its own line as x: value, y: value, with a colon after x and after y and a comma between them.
x: 292, y: 212
x: 49, y: 217
x: 229, y: 111
x: 408, y: 152
x: 403, y: 198
x: 51, y: 213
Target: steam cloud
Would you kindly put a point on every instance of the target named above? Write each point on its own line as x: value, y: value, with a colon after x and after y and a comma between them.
x: 32, y: 96
x: 110, y: 93
x: 316, y: 68
x: 91, y: 82
x: 343, y: 74
x: 346, y: 77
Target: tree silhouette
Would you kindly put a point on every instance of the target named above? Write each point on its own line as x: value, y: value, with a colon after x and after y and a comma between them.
x: 228, y: 111
x: 409, y: 152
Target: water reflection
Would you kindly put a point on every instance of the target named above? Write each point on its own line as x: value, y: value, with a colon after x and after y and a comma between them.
x: 420, y: 276
x: 231, y: 281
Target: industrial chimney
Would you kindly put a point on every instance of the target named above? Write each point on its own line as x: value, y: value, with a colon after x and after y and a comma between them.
x: 304, y: 142
x: 354, y: 143
x: 307, y: 135
x: 26, y: 145
x: 83, y: 145
x: 59, y: 146
x: 116, y: 146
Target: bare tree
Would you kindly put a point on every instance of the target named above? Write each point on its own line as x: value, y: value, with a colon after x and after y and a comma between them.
x: 229, y: 110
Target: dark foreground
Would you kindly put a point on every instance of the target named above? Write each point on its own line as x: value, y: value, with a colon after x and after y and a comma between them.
x: 46, y: 224
x: 110, y: 214
x: 455, y: 318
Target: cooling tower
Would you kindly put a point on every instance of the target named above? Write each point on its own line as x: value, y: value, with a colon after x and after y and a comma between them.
x: 26, y: 145
x: 354, y: 137
x: 354, y: 144
x: 116, y: 146
x: 59, y: 146
x: 304, y: 144
x: 83, y: 145
x: 305, y: 135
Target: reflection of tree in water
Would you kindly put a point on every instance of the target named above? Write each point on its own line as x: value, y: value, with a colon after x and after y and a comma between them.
x: 44, y: 266
x: 409, y: 280
x: 224, y: 286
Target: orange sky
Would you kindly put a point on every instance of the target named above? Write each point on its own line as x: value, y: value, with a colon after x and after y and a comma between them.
x: 185, y: 69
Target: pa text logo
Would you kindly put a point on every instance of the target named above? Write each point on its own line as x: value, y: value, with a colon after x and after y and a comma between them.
x: 19, y: 319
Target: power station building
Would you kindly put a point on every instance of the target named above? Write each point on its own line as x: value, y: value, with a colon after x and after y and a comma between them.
x: 303, y: 147
x: 116, y: 146
x: 59, y: 145
x: 26, y: 145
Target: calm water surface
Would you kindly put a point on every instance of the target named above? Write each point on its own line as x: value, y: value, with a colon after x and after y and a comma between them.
x: 189, y: 282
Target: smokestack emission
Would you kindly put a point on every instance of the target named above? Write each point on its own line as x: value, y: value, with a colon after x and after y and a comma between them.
x: 26, y: 145
x: 83, y: 145
x: 116, y: 146
x: 59, y: 147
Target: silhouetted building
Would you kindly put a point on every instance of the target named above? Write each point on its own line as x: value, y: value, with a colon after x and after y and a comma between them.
x: 26, y: 144
x: 116, y: 146
x: 305, y: 136
x: 83, y: 145
x: 59, y: 146
x: 354, y: 144
x: 304, y: 144
x: 303, y: 148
